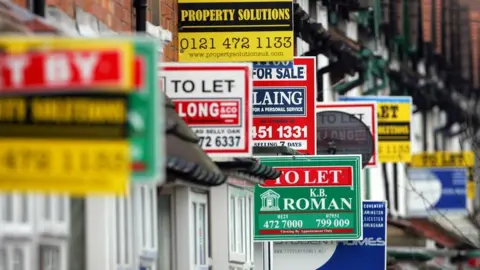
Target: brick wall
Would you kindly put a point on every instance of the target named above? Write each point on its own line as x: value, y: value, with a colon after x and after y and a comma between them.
x: 168, y: 21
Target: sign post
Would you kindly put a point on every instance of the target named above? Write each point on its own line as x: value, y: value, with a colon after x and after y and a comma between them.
x: 235, y: 31
x: 394, y: 126
x: 284, y: 96
x: 364, y: 111
x: 73, y: 140
x: 215, y: 101
x: 315, y: 198
x: 146, y: 113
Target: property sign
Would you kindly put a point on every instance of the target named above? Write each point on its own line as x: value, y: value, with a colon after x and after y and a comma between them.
x: 235, y: 31
x: 394, y: 126
x: 364, y: 111
x: 146, y: 111
x: 52, y: 64
x: 69, y: 141
x: 436, y: 191
x: 366, y: 254
x: 315, y: 198
x: 215, y: 101
x: 464, y: 159
x: 284, y: 96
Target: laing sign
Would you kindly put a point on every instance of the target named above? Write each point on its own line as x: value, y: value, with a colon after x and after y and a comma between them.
x: 284, y: 104
x: 215, y: 101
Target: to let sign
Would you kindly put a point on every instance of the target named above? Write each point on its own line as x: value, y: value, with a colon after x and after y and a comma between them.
x: 215, y: 101
x: 284, y: 104
x: 315, y: 198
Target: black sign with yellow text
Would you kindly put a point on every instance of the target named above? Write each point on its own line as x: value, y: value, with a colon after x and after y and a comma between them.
x: 235, y: 31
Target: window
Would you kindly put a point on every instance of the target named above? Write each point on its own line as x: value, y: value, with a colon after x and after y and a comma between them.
x: 16, y: 215
x: 145, y: 222
x: 123, y: 232
x: 53, y: 214
x: 165, y: 232
x: 199, y: 215
x: 15, y: 256
x: 240, y: 225
x: 49, y: 257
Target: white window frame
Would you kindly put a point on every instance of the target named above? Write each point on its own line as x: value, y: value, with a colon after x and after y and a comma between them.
x: 62, y: 245
x: 16, y: 227
x: 123, y: 233
x: 197, y: 199
x: 237, y: 222
x: 250, y: 227
x: 144, y: 199
x: 57, y: 205
x: 10, y: 246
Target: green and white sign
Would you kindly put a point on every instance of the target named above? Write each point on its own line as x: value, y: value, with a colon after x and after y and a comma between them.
x: 315, y: 198
x: 146, y: 116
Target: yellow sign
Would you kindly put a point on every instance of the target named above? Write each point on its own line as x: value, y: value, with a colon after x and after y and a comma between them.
x: 394, y: 130
x: 73, y: 144
x: 73, y: 167
x: 444, y: 159
x: 235, y: 31
x: 471, y: 190
x: 101, y: 63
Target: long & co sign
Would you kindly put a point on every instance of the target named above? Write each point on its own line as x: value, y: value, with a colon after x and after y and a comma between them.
x: 315, y: 198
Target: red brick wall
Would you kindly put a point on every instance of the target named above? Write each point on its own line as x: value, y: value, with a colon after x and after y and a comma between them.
x: 168, y: 21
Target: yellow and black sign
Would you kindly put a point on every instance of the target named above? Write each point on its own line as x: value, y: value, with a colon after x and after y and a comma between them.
x: 394, y: 134
x: 75, y: 144
x: 235, y: 31
x: 449, y: 160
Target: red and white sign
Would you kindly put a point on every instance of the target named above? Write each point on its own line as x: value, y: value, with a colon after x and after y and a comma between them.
x: 65, y: 70
x: 313, y: 176
x: 364, y: 111
x: 284, y: 97
x: 215, y: 101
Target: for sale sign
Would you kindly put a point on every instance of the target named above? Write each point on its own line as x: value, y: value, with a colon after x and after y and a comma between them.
x: 284, y: 104
x: 215, y: 101
x: 330, y: 127
x: 315, y: 198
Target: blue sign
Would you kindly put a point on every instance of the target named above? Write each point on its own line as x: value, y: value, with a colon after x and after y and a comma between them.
x: 436, y: 191
x: 369, y: 253
x: 277, y: 101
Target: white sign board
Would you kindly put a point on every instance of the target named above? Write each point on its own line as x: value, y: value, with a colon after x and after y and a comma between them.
x: 215, y: 101
x: 365, y: 112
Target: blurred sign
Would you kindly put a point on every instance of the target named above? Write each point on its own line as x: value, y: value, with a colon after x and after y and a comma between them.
x: 215, y: 101
x: 436, y: 191
x: 449, y: 160
x: 58, y: 64
x: 394, y: 126
x: 72, y: 140
x: 366, y: 112
x: 284, y: 97
x: 315, y: 198
x: 235, y: 31
x: 146, y: 116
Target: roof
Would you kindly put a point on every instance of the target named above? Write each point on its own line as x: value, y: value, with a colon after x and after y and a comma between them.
x: 185, y: 158
x: 249, y: 169
x: 15, y: 19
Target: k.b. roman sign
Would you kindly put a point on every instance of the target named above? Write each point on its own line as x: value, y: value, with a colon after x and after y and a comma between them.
x: 315, y: 198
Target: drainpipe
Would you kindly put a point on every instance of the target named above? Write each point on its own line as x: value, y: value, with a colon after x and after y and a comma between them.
x: 141, y: 15
x: 38, y: 7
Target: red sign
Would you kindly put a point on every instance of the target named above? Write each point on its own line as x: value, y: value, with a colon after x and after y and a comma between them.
x: 53, y: 70
x: 206, y: 112
x: 313, y: 176
x: 284, y: 96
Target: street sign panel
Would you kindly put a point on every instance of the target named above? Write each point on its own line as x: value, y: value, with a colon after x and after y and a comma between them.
x: 370, y: 253
x: 235, y: 31
x: 73, y: 140
x: 215, y: 101
x: 284, y: 96
x: 364, y: 111
x: 146, y: 116
x: 394, y: 126
x: 59, y: 64
x: 315, y: 198
x: 436, y: 191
